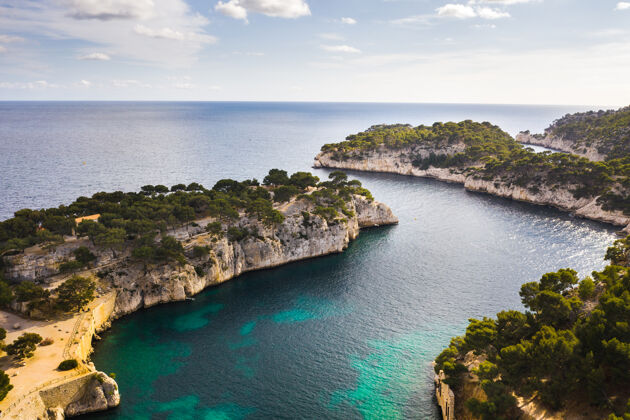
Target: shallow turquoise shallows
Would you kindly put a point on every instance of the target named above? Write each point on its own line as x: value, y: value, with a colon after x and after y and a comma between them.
x: 347, y: 336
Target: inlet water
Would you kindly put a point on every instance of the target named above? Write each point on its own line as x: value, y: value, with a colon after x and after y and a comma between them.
x: 339, y: 337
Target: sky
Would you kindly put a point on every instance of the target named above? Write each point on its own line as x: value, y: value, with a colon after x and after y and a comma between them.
x: 572, y: 52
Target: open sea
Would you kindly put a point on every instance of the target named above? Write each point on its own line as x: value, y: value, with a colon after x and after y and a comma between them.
x: 347, y: 336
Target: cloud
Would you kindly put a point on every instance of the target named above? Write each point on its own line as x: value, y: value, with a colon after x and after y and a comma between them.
x: 129, y: 83
x: 505, y: 2
x: 110, y: 9
x: 348, y: 21
x: 622, y: 5
x: 491, y: 14
x: 3, y: 49
x: 459, y: 11
x: 169, y: 33
x: 84, y: 83
x: 96, y: 56
x: 56, y: 20
x: 463, y: 11
x: 39, y: 84
x: 341, y: 49
x: 6, y: 39
x: 239, y: 9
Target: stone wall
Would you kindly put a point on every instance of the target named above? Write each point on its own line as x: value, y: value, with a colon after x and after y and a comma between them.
x: 445, y: 397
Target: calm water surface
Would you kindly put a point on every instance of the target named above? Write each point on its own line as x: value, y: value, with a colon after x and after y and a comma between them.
x: 339, y: 337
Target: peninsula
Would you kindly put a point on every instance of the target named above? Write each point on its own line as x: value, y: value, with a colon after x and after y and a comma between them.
x: 67, y: 272
x: 486, y: 159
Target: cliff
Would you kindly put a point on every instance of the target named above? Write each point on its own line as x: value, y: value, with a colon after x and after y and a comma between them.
x: 596, y: 135
x: 401, y: 161
x: 130, y: 285
x: 555, y: 142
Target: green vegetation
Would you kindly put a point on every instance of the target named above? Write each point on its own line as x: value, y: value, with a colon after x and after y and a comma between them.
x: 136, y: 218
x: 68, y: 364
x: 74, y: 293
x: 485, y: 151
x: 558, y: 351
x: 5, y: 385
x: 24, y: 346
x: 606, y: 131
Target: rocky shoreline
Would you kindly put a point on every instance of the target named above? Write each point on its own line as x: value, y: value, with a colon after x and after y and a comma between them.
x: 399, y: 162
x: 134, y: 285
x: 558, y: 143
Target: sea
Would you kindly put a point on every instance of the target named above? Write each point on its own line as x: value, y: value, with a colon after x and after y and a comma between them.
x: 346, y: 336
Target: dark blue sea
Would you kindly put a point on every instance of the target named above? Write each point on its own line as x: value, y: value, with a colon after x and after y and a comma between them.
x: 348, y: 336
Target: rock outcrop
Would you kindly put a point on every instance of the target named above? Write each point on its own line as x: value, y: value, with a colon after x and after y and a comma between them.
x: 300, y: 236
x: 400, y: 162
x: 551, y: 141
x: 100, y: 394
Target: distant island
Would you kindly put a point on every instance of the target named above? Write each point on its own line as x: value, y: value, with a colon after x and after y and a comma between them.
x: 67, y: 272
x: 486, y: 159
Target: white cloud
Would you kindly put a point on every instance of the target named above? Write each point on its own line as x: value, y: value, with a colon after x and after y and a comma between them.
x: 622, y: 5
x: 97, y: 56
x: 110, y: 9
x: 459, y: 11
x: 39, y: 84
x: 84, y: 83
x: 348, y: 21
x: 111, y: 26
x: 505, y: 2
x: 238, y: 9
x: 232, y: 9
x: 3, y: 49
x: 341, y: 49
x: 491, y: 14
x: 464, y: 11
x: 6, y: 39
x: 169, y: 33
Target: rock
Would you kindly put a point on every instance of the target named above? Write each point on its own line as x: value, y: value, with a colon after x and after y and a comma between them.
x: 16, y: 326
x: 399, y: 162
x: 55, y: 413
x: 100, y: 394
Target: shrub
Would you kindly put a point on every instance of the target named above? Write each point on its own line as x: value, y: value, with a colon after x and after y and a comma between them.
x: 83, y: 255
x: 5, y: 385
x: 199, y: 271
x: 47, y: 341
x: 24, y: 346
x: 70, y: 266
x: 68, y: 364
x: 200, y: 251
x: 586, y: 288
x: 236, y: 234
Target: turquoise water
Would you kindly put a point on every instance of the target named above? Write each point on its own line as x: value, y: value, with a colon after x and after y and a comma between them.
x: 347, y: 336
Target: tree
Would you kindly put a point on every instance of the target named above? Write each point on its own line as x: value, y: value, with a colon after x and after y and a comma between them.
x: 303, y: 180
x: 6, y: 295
x: 586, y: 288
x: 113, y: 239
x: 27, y: 291
x: 161, y: 189
x: 285, y: 193
x: 74, y: 293
x: 83, y: 255
x: 24, y: 346
x: 276, y: 177
x: 338, y: 177
x: 5, y: 385
x: 178, y: 187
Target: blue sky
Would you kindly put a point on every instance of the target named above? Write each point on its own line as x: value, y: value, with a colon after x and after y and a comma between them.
x: 478, y: 51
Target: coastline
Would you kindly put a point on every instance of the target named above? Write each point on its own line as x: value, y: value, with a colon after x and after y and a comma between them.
x: 561, y: 199
x: 132, y: 287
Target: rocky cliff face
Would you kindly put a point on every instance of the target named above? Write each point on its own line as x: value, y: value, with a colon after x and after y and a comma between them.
x: 400, y: 162
x: 558, y: 143
x: 299, y: 237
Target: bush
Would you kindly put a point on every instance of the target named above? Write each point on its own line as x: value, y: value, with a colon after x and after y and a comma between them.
x: 236, y: 234
x: 586, y: 288
x: 68, y: 364
x: 199, y: 271
x: 47, y: 341
x: 24, y: 346
x: 5, y: 385
x: 83, y: 255
x: 70, y: 266
x: 200, y: 251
